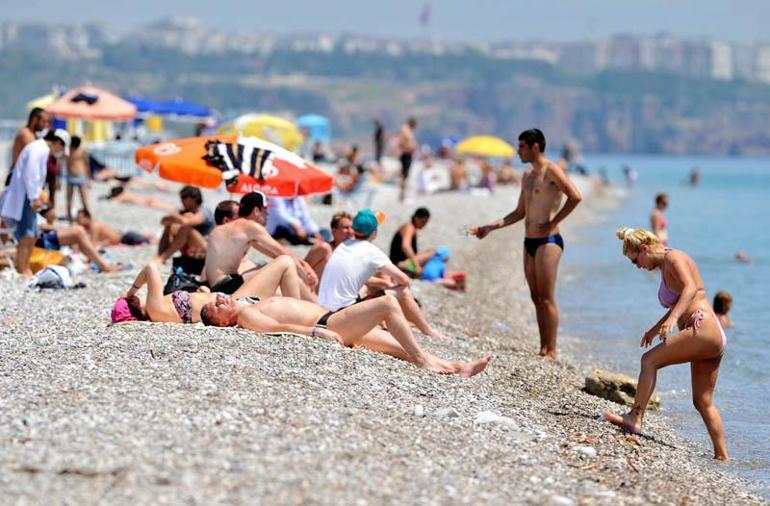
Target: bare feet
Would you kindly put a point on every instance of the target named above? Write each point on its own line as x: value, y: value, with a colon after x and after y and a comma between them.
x: 468, y: 369
x: 551, y: 355
x: 624, y: 421
x: 723, y: 458
x: 436, y: 333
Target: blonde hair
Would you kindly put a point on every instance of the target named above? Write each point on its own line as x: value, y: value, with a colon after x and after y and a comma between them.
x: 634, y: 238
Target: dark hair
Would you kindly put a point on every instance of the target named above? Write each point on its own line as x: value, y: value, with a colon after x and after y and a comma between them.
x: 421, y: 212
x: 192, y: 193
x: 533, y: 136
x: 225, y: 210
x: 135, y: 307
x: 721, y: 300
x: 411, y: 121
x: 85, y: 213
x: 74, y: 142
x: 250, y: 201
x: 205, y: 316
x: 660, y: 198
x: 338, y: 217
x: 35, y: 113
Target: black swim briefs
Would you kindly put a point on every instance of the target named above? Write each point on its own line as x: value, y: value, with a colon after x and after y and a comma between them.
x: 531, y: 244
x: 228, y: 284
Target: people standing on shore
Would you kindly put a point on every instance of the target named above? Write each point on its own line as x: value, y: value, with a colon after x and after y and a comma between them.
x: 658, y: 222
x: 542, y: 189
x: 77, y: 175
x: 407, y: 145
x: 37, y: 121
x: 700, y: 341
x: 25, y: 196
x: 379, y: 140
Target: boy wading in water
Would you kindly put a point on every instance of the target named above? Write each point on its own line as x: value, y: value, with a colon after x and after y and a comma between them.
x: 539, y: 201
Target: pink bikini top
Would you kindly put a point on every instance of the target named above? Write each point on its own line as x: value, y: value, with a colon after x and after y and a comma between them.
x: 666, y: 295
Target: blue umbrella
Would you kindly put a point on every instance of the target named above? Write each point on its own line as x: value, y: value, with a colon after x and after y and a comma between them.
x: 176, y: 107
x: 318, y: 127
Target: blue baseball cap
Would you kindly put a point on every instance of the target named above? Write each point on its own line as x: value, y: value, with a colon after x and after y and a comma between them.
x: 366, y: 222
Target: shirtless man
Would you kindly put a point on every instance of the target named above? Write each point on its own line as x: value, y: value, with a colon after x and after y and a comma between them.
x: 37, y: 121
x: 104, y: 235
x: 187, y: 229
x: 77, y: 174
x: 356, y: 325
x: 539, y: 202
x: 407, y: 145
x: 229, y: 243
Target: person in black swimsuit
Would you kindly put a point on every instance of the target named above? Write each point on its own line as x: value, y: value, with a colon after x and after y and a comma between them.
x: 403, y: 247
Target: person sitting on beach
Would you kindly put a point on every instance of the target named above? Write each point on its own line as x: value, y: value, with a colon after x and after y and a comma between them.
x: 403, y: 247
x: 700, y: 341
x: 353, y: 326
x: 229, y: 243
x: 187, y: 229
x: 290, y: 220
x: 77, y: 175
x: 341, y: 226
x: 723, y: 302
x: 103, y: 235
x: 543, y: 188
x: 185, y: 307
x: 357, y: 262
x: 658, y: 222
x: 53, y: 238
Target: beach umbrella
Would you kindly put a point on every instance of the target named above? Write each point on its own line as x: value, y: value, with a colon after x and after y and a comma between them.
x: 244, y: 164
x: 318, y: 127
x: 91, y: 103
x: 177, y: 107
x: 42, y: 102
x: 486, y: 145
x: 265, y: 126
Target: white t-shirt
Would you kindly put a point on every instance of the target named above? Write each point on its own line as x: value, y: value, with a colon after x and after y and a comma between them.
x: 350, y: 266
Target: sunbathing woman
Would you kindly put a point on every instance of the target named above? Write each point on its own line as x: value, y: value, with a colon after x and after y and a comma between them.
x: 356, y: 325
x: 700, y: 340
x: 185, y: 307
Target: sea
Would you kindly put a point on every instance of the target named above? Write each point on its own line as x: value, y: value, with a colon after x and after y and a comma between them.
x: 608, y: 303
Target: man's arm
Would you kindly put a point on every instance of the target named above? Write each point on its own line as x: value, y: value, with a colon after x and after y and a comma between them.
x: 509, y: 219
x: 33, y: 174
x: 396, y: 274
x: 406, y: 246
x: 257, y: 321
x: 24, y: 137
x: 263, y: 242
x: 570, y: 190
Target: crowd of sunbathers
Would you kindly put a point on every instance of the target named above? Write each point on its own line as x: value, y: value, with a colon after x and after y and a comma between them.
x: 345, y: 290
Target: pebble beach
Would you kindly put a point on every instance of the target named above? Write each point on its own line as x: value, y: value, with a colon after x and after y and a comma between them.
x: 92, y: 413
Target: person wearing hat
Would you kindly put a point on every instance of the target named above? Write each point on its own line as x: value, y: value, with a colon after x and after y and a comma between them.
x: 435, y: 270
x: 228, y: 244
x: 354, y: 263
x: 25, y: 196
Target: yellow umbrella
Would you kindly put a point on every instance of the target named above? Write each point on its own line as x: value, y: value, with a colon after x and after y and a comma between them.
x: 272, y: 128
x: 42, y: 102
x: 486, y: 145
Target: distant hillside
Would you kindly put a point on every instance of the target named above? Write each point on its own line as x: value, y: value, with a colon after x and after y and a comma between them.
x: 460, y: 93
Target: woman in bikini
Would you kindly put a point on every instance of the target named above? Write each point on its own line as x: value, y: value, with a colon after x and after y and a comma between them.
x: 700, y: 340
x: 185, y: 307
x: 658, y: 222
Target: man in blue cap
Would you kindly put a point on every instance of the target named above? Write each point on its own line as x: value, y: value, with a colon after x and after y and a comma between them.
x: 352, y: 265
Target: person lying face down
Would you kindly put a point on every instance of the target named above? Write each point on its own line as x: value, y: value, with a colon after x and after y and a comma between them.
x: 356, y: 325
x: 184, y: 307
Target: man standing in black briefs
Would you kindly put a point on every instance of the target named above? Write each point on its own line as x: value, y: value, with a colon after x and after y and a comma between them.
x: 539, y: 202
x: 407, y: 145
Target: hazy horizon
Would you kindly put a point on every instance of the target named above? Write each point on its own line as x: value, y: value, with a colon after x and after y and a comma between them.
x: 448, y: 20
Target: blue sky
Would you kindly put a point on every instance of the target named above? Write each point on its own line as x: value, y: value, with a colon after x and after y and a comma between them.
x: 468, y: 20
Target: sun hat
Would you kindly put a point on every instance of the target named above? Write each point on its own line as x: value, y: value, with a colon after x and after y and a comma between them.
x: 365, y: 222
x: 442, y: 252
x: 120, y: 312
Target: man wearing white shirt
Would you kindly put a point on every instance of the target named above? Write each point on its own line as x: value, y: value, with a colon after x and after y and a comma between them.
x: 352, y: 265
x: 24, y: 195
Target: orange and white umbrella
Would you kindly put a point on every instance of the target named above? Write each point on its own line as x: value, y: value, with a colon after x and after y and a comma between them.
x: 244, y: 164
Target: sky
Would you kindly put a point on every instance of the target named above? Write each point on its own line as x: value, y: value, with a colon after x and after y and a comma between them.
x: 452, y: 20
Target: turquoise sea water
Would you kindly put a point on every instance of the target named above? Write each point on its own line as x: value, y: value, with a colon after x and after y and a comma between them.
x: 609, y: 304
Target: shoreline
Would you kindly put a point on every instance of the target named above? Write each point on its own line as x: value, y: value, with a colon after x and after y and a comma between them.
x: 162, y: 412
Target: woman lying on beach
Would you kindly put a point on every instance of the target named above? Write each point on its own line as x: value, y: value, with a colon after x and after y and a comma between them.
x: 356, y: 325
x: 185, y: 307
x: 700, y: 340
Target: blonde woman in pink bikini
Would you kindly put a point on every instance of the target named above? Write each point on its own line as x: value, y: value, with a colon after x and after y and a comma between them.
x: 700, y: 340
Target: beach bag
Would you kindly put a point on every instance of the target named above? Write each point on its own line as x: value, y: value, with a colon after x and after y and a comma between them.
x: 42, y: 258
x: 180, y: 280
